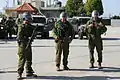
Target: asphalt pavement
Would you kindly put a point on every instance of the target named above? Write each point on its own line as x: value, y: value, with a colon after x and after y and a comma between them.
x: 44, y: 59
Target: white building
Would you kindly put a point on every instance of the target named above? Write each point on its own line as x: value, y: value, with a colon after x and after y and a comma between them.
x: 47, y: 7
x: 39, y: 3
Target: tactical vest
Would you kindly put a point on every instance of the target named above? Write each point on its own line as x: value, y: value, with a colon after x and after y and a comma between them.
x: 63, y: 29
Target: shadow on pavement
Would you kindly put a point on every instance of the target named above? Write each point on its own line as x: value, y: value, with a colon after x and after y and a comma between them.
x: 1, y: 72
x: 105, y: 69
x: 75, y: 78
x: 111, y: 45
x: 111, y: 38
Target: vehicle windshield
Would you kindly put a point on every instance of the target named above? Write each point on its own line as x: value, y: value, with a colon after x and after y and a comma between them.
x: 83, y: 20
x: 39, y: 20
x: 73, y: 21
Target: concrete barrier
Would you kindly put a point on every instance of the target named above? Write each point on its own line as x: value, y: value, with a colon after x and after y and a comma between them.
x: 115, y: 22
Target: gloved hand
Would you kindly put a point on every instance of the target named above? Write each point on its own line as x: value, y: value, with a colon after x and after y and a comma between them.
x: 93, y: 24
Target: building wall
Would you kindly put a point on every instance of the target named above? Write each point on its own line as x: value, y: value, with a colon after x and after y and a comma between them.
x: 51, y: 13
x: 25, y: 1
x: 47, y: 11
x: 42, y: 4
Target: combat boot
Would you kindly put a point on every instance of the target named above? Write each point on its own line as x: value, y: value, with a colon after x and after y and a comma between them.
x: 65, y: 68
x: 91, y: 65
x: 58, y: 68
x: 99, y: 66
x: 31, y: 75
x: 19, y: 76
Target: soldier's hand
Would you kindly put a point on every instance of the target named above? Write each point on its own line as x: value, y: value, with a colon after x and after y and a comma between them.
x: 95, y: 24
x: 90, y: 25
x: 101, y: 24
x: 57, y: 39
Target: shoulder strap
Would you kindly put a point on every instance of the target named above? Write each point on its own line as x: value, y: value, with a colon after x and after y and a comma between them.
x: 61, y: 25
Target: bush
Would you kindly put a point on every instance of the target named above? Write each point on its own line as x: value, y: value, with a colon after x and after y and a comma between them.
x: 115, y: 17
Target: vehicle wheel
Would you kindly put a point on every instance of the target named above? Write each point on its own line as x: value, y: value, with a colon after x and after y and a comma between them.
x: 46, y: 35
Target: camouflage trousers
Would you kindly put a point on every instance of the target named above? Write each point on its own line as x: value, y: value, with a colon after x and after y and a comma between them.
x: 25, y: 56
x: 99, y: 47
x: 62, y: 47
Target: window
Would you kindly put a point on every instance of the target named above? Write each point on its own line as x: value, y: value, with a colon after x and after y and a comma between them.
x: 39, y: 20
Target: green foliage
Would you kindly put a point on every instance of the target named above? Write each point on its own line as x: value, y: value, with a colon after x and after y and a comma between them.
x: 74, y: 7
x: 93, y: 5
x: 115, y: 17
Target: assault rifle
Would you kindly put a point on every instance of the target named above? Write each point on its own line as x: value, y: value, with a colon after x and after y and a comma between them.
x: 32, y: 36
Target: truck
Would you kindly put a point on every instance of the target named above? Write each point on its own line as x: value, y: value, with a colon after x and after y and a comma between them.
x: 42, y: 30
x: 81, y: 26
x: 74, y: 23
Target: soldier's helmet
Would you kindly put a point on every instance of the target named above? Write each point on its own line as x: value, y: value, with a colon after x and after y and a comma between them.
x: 27, y: 16
x: 95, y: 13
x: 63, y: 15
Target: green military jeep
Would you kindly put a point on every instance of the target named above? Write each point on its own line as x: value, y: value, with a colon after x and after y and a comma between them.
x: 42, y: 29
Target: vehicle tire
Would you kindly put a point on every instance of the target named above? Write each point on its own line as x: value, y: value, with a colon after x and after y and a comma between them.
x: 46, y: 35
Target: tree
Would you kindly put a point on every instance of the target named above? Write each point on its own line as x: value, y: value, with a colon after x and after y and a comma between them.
x: 74, y: 7
x: 94, y: 5
x: 115, y: 17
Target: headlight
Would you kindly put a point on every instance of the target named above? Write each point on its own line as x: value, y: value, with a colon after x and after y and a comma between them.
x: 1, y: 27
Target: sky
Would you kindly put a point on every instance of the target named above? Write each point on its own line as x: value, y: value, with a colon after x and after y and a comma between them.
x: 111, y: 7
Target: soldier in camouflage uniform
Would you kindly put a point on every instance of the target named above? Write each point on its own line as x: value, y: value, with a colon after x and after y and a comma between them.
x: 63, y: 33
x: 25, y: 31
x: 10, y: 26
x: 94, y: 29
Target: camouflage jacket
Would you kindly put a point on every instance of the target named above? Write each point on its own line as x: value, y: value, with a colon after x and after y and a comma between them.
x: 24, y: 32
x: 63, y: 30
x: 95, y: 31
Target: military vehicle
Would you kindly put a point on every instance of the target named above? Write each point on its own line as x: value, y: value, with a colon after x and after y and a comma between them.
x: 3, y: 31
x: 74, y: 23
x: 81, y: 26
x: 42, y: 29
